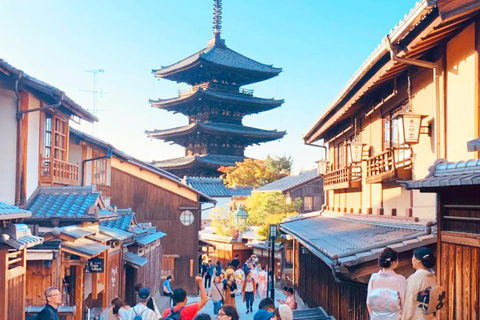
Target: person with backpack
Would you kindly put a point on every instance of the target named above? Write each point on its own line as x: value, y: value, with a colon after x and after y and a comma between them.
x: 140, y: 311
x: 216, y: 293
x: 182, y: 310
x: 386, y: 289
x: 53, y: 296
x: 419, y: 304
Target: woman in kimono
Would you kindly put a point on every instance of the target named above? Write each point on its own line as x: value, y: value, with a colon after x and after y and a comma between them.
x: 262, y: 283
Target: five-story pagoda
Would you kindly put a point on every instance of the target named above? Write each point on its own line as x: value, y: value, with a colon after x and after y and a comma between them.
x: 215, y: 105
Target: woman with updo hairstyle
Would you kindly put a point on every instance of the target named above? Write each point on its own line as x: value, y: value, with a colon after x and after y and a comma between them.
x: 386, y: 289
x: 423, y: 261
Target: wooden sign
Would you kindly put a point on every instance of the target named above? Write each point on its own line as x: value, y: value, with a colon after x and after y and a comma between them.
x: 96, y: 265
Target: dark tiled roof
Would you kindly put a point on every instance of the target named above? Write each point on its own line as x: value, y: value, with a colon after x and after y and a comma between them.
x: 144, y: 240
x: 84, y: 247
x: 76, y: 232
x: 242, y: 191
x: 48, y: 245
x: 9, y: 212
x: 218, y: 128
x: 245, y: 100
x: 98, y: 142
x: 445, y: 174
x: 212, y: 187
x: 291, y: 182
x: 65, y: 203
x: 18, y: 236
x: 354, y: 241
x: 134, y: 259
x: 209, y: 159
x: 116, y: 233
x: 31, y: 82
x: 123, y: 222
x: 219, y: 55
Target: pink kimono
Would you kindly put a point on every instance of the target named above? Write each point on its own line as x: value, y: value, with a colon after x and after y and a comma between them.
x: 386, y: 295
x: 262, y: 284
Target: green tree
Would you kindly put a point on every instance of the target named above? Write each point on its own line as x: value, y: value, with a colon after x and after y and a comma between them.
x: 264, y: 231
x: 223, y: 222
x: 278, y: 164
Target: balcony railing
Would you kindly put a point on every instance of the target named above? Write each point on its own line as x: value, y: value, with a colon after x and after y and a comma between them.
x: 105, y: 189
x: 215, y: 86
x: 54, y: 171
x: 345, y: 178
x: 389, y: 165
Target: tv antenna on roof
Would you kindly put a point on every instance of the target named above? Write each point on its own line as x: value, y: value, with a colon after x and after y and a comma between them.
x: 94, y: 93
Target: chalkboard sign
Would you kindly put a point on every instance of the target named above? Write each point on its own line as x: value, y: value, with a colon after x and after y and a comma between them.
x: 95, y: 265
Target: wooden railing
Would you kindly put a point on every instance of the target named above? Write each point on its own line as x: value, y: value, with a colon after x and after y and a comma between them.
x: 389, y: 165
x: 215, y: 86
x: 58, y: 171
x: 105, y: 189
x: 348, y: 177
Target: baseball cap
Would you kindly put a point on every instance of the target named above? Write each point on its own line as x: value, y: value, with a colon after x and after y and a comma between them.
x: 143, y: 293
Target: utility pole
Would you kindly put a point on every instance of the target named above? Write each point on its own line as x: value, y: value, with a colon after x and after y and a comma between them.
x: 94, y: 93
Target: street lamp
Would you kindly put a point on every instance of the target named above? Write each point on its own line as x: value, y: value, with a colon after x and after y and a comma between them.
x: 273, y: 237
x: 322, y: 167
x: 241, y: 216
x: 355, y: 148
x: 409, y: 123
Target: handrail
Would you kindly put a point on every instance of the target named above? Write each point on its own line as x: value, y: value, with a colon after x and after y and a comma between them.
x: 346, y: 174
x: 387, y: 161
x: 58, y: 171
x: 215, y: 86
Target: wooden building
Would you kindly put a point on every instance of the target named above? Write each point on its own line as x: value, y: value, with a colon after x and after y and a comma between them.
x: 306, y: 185
x: 427, y: 66
x: 15, y: 238
x: 215, y: 106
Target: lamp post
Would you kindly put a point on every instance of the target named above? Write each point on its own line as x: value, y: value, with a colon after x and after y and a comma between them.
x: 273, y: 236
x: 409, y: 123
x: 241, y: 216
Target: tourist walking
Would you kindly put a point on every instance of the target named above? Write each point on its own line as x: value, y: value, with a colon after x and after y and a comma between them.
x: 235, y: 262
x: 187, y: 312
x: 248, y: 291
x: 239, y: 276
x: 386, y: 289
x: 216, y: 293
x: 120, y: 309
x: 218, y: 268
x: 262, y: 283
x: 150, y: 302
x: 423, y: 261
x: 227, y: 312
x: 230, y: 291
x: 265, y: 310
x: 141, y: 308
x: 209, y: 269
x: 53, y: 297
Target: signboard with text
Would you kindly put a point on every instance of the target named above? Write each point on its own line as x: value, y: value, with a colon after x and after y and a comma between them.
x: 96, y: 265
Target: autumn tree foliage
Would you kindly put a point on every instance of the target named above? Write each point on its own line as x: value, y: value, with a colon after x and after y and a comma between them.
x: 252, y: 172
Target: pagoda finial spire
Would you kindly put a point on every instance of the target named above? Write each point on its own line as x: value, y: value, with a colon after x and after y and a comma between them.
x: 217, y: 18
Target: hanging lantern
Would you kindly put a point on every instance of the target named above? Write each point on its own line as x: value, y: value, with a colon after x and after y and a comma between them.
x: 355, y: 148
x: 409, y: 124
x: 322, y: 167
x: 241, y: 217
x: 273, y: 231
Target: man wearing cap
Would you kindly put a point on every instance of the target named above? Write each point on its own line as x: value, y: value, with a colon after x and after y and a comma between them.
x: 141, y: 308
x: 187, y: 312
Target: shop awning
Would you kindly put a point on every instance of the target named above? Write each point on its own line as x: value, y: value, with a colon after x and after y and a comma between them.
x: 84, y: 247
x: 116, y: 233
x: 134, y: 259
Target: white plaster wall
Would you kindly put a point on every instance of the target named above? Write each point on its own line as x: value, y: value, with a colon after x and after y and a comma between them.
x: 75, y: 156
x: 33, y: 147
x: 8, y: 134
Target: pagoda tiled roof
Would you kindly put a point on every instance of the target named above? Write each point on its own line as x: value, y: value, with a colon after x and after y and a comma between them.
x: 247, y: 101
x: 207, y: 160
x: 218, y: 128
x: 218, y: 55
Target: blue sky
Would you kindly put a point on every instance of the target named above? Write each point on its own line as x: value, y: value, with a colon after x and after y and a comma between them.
x: 318, y: 43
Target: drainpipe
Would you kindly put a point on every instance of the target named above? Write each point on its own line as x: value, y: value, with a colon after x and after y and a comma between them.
x: 18, y: 163
x: 436, y: 71
x: 108, y: 156
x: 325, y: 193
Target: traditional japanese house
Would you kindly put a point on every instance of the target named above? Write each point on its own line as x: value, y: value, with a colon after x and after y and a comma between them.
x: 306, y: 185
x: 412, y: 99
x: 15, y: 238
x: 215, y: 106
x: 143, y: 257
x: 157, y: 197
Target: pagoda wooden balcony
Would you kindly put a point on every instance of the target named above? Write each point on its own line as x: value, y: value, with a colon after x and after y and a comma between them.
x: 215, y: 86
x: 54, y: 171
x: 345, y: 178
x: 388, y: 166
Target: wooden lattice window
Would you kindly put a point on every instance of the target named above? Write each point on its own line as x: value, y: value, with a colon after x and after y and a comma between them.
x: 55, y: 137
x: 99, y: 170
x: 168, y: 266
x: 308, y: 203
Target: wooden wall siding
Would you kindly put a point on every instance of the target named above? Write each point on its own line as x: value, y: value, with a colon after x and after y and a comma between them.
x: 315, y: 190
x: 151, y: 273
x: 161, y: 207
x: 16, y: 297
x: 39, y: 278
x: 114, y: 274
x: 460, y: 276
x: 317, y: 287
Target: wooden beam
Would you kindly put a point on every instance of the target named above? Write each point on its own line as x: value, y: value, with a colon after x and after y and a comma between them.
x: 3, y: 283
x: 79, y: 292
x: 105, y: 302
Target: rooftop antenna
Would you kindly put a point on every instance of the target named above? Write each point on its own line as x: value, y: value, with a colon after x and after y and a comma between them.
x: 217, y: 18
x: 94, y: 93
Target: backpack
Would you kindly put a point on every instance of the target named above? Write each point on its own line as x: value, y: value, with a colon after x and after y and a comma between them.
x: 431, y: 299
x: 138, y: 316
x: 174, y: 315
x: 385, y: 303
x: 34, y: 317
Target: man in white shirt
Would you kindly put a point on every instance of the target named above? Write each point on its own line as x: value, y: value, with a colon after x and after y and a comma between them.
x: 141, y: 308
